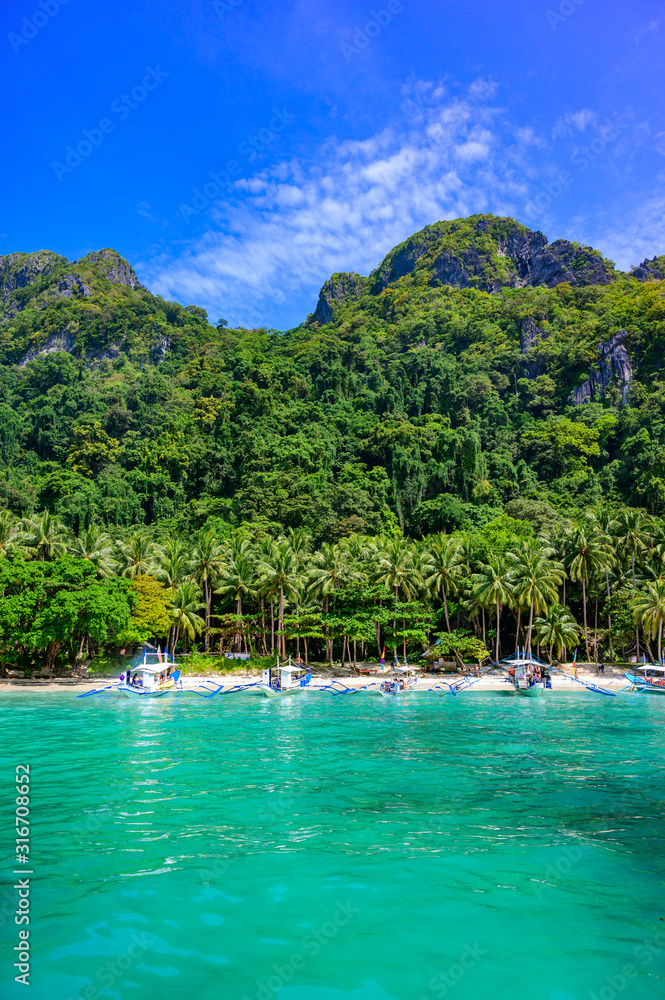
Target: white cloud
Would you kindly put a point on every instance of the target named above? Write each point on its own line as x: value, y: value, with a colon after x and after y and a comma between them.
x: 574, y: 121
x: 287, y: 229
x: 640, y: 235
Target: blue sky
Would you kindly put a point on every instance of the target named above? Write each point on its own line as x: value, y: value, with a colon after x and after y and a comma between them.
x: 239, y: 152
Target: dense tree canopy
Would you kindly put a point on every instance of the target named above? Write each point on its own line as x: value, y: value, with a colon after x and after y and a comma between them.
x: 430, y: 427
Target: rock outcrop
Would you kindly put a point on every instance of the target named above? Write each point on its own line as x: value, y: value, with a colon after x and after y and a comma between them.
x: 650, y: 270
x: 55, y: 342
x: 20, y: 270
x: 490, y: 253
x: 613, y: 363
x: 530, y: 336
x: 340, y: 288
x: 112, y: 266
x: 71, y: 286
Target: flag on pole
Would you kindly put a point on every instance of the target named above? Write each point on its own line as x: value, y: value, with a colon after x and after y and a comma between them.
x: 383, y: 658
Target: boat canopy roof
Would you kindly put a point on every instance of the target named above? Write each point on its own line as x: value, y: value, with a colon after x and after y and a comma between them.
x: 658, y: 669
x: 150, y: 668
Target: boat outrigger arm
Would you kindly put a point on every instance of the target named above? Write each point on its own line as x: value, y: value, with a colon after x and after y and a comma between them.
x: 511, y: 660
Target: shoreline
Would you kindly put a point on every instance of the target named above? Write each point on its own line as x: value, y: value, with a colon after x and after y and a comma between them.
x: 613, y: 681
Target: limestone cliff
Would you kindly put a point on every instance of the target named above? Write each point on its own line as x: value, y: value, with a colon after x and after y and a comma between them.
x: 613, y: 363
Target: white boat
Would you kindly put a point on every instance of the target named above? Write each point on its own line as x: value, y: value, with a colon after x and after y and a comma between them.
x: 648, y: 679
x: 154, y: 676
x: 402, y: 679
x: 526, y: 676
x: 285, y: 678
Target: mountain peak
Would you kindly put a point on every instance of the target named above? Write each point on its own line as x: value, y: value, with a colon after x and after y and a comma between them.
x: 485, y: 252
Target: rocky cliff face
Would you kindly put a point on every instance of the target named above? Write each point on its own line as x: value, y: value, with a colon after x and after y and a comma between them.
x: 650, y: 270
x: 50, y: 288
x: 530, y: 336
x: 491, y: 253
x: 613, y: 363
x: 111, y: 265
x: 340, y: 288
x: 483, y: 252
x: 34, y: 279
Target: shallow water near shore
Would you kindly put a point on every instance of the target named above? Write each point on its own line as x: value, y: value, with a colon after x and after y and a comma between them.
x: 340, y: 848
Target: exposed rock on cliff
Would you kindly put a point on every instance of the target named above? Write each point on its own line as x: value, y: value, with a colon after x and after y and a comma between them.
x: 650, y: 270
x: 56, y: 342
x: 490, y: 253
x: 340, y: 288
x: 112, y: 266
x: 613, y: 362
x: 22, y: 270
x: 72, y: 286
x: 530, y: 336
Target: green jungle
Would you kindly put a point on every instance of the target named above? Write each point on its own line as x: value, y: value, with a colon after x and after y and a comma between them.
x: 466, y: 447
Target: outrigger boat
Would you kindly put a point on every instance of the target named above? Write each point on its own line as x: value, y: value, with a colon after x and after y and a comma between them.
x: 283, y: 679
x: 648, y: 679
x: 527, y: 675
x: 154, y: 676
x: 402, y: 679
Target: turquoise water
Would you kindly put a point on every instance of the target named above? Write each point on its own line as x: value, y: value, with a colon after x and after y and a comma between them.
x: 350, y: 848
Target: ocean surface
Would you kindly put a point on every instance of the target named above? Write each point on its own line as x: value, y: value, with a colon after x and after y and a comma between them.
x: 339, y: 848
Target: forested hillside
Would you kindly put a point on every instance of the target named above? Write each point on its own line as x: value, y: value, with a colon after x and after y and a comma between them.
x: 480, y: 381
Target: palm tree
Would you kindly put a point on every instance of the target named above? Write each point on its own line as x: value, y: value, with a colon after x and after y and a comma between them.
x: 396, y: 570
x: 535, y: 580
x: 633, y: 531
x: 445, y: 568
x: 649, y: 610
x: 238, y: 580
x: 279, y: 570
x: 97, y: 547
x: 186, y: 604
x: 44, y: 536
x: 557, y: 631
x: 171, y: 561
x: 590, y: 553
x: 11, y: 537
x: 137, y: 554
x: 492, y: 585
x: 329, y: 569
x: 205, y: 566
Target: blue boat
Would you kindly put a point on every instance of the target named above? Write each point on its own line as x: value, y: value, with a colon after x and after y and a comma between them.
x: 648, y: 679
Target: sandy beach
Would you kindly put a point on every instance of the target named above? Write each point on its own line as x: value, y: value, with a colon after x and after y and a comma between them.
x: 613, y: 680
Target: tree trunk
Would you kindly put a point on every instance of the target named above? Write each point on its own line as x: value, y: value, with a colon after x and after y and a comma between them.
x: 595, y: 636
x: 445, y: 605
x: 280, y: 623
x: 329, y: 645
x: 206, y: 592
x: 498, y: 630
x: 660, y: 639
x: 586, y: 634
x: 50, y: 654
x: 272, y: 627
x: 609, y: 616
x: 528, y: 638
